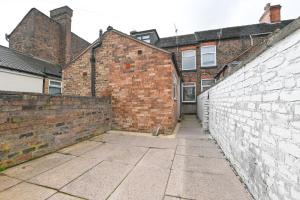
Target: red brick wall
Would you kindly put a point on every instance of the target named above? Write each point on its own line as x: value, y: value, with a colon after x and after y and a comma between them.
x: 77, y: 77
x: 37, y: 35
x: 136, y: 76
x: 227, y: 50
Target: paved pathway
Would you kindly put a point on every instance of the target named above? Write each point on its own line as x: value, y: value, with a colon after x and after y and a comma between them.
x: 114, y: 166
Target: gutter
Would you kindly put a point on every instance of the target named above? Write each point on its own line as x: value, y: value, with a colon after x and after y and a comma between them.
x: 93, y: 64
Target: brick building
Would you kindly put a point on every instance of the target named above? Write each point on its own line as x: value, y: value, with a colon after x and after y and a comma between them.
x: 151, y: 80
x: 202, y: 55
x: 40, y: 45
x: 141, y: 79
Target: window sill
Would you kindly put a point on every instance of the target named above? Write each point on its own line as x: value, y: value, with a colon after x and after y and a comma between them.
x: 189, y: 70
x: 208, y: 67
x: 187, y: 102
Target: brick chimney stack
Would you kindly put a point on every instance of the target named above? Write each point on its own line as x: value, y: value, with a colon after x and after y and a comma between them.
x: 271, y: 14
x: 63, y: 16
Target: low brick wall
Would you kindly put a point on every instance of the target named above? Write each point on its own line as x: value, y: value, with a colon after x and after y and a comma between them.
x: 254, y: 115
x: 32, y: 125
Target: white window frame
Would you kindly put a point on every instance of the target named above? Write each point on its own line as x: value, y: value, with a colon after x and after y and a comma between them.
x: 140, y: 37
x: 182, y: 66
x: 215, y: 52
x: 55, y: 86
x: 206, y: 80
x: 190, y: 85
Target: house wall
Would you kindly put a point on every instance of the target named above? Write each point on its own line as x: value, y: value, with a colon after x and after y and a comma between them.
x: 32, y: 125
x: 38, y: 35
x: 227, y: 50
x: 137, y: 77
x: 254, y: 115
x: 20, y: 82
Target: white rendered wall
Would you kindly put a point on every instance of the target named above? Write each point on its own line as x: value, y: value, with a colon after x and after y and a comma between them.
x: 20, y: 82
x: 254, y: 115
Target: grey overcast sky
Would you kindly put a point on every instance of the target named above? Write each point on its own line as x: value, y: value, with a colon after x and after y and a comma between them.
x: 127, y: 15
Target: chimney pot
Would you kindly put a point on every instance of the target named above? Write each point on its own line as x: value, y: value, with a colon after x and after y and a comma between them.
x: 271, y: 14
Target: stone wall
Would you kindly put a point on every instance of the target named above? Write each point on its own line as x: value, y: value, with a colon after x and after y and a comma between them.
x: 32, y: 125
x: 254, y: 115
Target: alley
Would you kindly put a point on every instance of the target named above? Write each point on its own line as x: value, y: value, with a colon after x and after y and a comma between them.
x: 116, y: 166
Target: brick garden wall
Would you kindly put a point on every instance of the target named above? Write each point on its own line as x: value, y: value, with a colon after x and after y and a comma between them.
x: 254, y: 115
x: 32, y: 125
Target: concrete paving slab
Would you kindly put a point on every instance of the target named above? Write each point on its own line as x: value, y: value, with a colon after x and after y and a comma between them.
x: 193, y: 185
x: 61, y: 196
x: 26, y: 191
x: 80, y: 148
x: 199, y: 151
x: 142, y: 183
x: 99, y: 182
x: 140, y: 141
x: 65, y: 173
x: 204, y: 165
x: 156, y: 142
x: 32, y: 168
x: 161, y: 158
x: 117, y: 152
x: 7, y: 182
x: 196, y: 143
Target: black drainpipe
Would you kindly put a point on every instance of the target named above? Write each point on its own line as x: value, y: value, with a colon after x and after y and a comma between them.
x: 93, y: 65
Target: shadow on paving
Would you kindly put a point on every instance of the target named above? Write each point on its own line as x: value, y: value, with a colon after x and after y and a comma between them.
x: 123, y: 166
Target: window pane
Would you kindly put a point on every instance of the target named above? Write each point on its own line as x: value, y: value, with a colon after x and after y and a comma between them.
x: 188, y: 54
x: 147, y: 40
x: 205, y: 88
x: 189, y: 93
x: 208, y: 82
x: 188, y: 60
x: 54, y: 90
x: 56, y: 83
x: 208, y: 49
x: 208, y: 59
x: 144, y: 37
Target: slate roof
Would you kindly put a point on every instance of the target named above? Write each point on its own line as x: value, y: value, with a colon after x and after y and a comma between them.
x: 222, y: 33
x: 17, y: 61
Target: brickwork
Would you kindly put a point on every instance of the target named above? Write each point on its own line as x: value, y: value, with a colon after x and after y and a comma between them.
x: 47, y: 38
x: 37, y: 35
x: 139, y: 78
x: 254, y: 116
x: 32, y: 125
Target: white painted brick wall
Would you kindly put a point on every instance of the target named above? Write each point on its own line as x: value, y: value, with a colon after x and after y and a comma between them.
x: 254, y: 114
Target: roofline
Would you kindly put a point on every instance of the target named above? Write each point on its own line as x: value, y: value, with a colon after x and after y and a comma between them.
x: 271, y: 41
x: 145, y: 31
x: 80, y: 37
x: 31, y: 10
x: 23, y: 71
x: 28, y: 55
x: 232, y: 37
x: 120, y: 33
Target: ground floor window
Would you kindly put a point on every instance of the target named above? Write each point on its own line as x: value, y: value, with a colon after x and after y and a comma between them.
x: 55, y: 87
x: 189, y: 92
x: 206, y: 84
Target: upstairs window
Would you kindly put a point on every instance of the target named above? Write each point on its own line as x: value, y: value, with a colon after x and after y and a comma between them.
x: 208, y: 56
x: 144, y: 38
x: 206, y: 84
x: 188, y: 92
x: 55, y: 87
x: 189, y: 60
